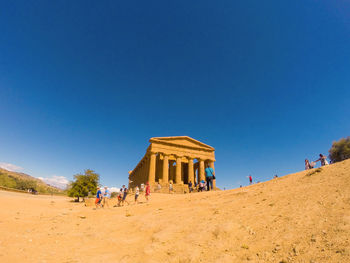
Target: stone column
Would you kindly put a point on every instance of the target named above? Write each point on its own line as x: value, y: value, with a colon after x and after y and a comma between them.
x: 143, y: 172
x: 178, y: 170
x: 139, y: 174
x: 211, y: 164
x: 201, y: 170
x: 152, y: 169
x: 190, y: 170
x: 171, y: 171
x: 165, y: 169
x: 146, y: 169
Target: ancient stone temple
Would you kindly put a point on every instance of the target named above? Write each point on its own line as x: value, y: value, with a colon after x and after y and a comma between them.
x: 178, y: 159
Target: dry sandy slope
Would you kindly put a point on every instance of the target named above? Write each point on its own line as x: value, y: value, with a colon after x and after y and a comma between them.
x: 296, y: 218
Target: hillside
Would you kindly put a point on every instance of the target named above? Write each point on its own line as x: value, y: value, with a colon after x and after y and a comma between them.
x: 22, y: 181
x: 301, y: 217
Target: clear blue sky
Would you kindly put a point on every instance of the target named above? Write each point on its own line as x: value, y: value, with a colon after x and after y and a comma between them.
x: 85, y: 84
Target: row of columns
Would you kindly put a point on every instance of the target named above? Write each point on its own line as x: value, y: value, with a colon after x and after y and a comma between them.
x: 178, y: 171
x: 142, y: 171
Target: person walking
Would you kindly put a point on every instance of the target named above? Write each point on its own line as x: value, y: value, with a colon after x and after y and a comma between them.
x: 106, y: 196
x: 147, y: 191
x: 125, y: 193
x: 323, y: 160
x: 209, y: 176
x: 250, y: 179
x: 98, y: 197
x: 120, y: 197
x: 137, y: 193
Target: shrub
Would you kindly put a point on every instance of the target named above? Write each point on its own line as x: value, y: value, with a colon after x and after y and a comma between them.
x: 318, y: 170
x: 340, y: 150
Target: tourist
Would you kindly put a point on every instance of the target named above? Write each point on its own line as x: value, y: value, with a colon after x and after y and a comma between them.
x: 98, y: 197
x: 190, y: 189
x: 137, y: 193
x: 323, y: 160
x: 148, y: 191
x: 159, y: 187
x: 201, y: 186
x: 106, y: 196
x: 196, y: 185
x: 120, y: 198
x: 171, y: 187
x: 209, y: 176
x: 309, y: 165
x: 250, y: 179
x: 125, y: 193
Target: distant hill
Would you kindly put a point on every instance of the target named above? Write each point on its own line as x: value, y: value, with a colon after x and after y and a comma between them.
x: 22, y: 181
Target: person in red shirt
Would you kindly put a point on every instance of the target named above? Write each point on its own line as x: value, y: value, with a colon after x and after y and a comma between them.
x: 148, y: 191
x: 250, y: 179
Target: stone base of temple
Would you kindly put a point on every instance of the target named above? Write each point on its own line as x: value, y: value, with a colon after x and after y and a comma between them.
x: 177, y: 189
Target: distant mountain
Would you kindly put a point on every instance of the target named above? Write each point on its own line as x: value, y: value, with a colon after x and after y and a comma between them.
x: 22, y: 181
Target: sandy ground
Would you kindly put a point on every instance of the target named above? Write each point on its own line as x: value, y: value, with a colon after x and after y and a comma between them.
x: 295, y: 218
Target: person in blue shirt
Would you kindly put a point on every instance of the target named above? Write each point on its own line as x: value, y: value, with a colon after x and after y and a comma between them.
x: 209, y: 176
x: 98, y: 197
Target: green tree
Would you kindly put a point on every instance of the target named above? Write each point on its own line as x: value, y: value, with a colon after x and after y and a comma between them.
x: 26, y: 184
x: 84, y: 184
x: 340, y: 150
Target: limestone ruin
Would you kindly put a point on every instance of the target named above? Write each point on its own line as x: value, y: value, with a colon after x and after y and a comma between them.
x: 178, y: 159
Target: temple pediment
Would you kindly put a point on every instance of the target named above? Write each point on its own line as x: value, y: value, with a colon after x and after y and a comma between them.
x: 184, y: 141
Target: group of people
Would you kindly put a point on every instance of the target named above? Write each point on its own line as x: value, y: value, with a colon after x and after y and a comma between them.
x: 204, y: 185
x: 102, y: 199
x: 310, y: 165
x: 146, y: 189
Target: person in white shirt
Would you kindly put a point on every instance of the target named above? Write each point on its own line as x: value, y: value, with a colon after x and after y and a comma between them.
x: 137, y: 193
x: 170, y: 187
x: 323, y: 160
x: 106, y: 196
